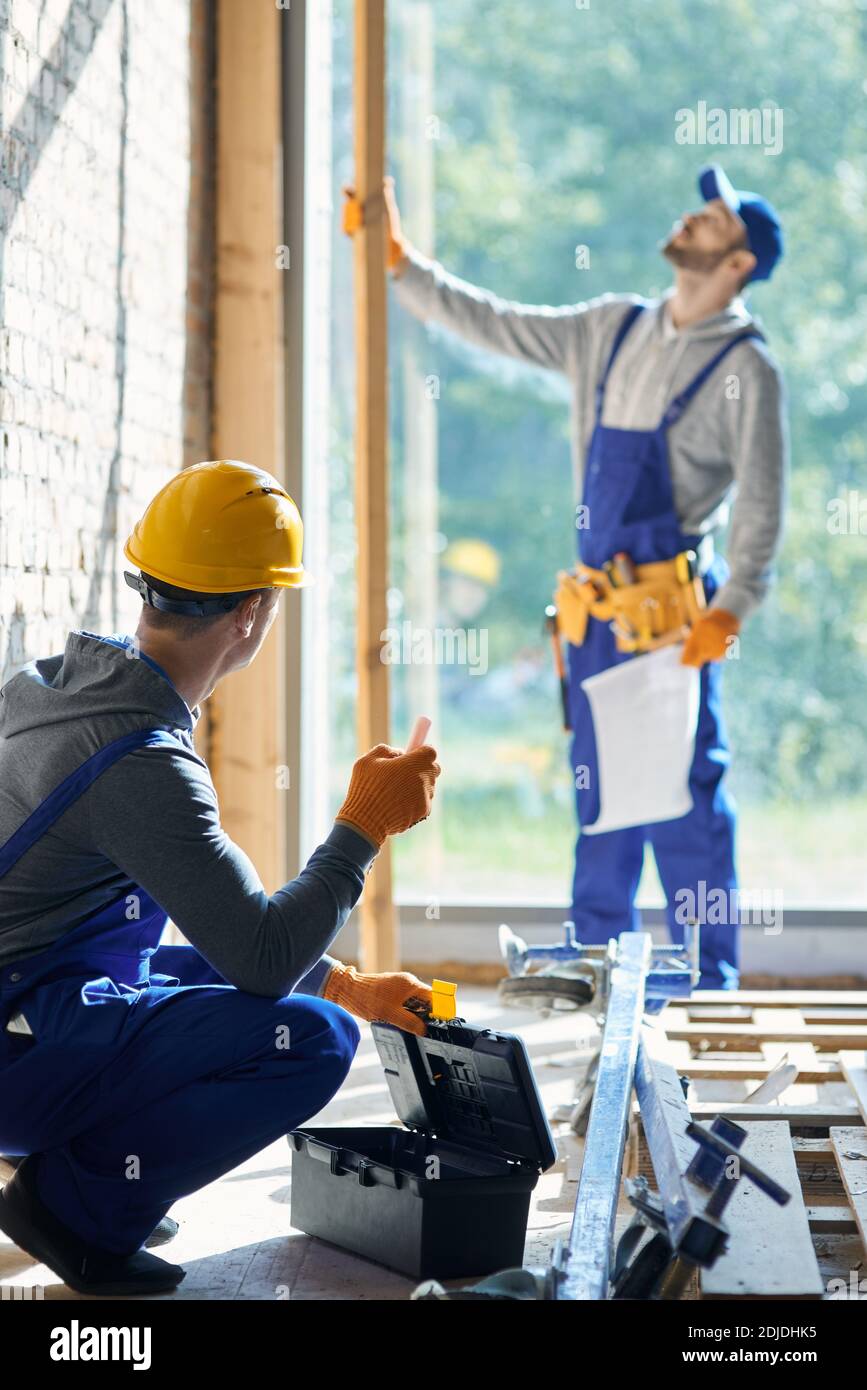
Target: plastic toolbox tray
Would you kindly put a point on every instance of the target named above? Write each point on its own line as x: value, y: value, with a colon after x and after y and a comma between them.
x: 449, y: 1194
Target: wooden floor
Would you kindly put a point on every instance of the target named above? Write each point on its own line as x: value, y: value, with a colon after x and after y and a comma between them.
x: 789, y: 1066
x: 236, y: 1241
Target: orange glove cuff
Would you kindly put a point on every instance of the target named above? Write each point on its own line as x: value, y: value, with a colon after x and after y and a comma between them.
x: 709, y: 639
x: 395, y: 253
x: 396, y: 997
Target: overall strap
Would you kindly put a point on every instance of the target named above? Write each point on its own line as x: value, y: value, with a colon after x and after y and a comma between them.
x: 679, y: 404
x: 628, y: 321
x: 73, y: 786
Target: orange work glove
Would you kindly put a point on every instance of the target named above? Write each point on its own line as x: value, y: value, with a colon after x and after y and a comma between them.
x: 393, y: 997
x: 396, y: 244
x: 709, y: 639
x: 389, y: 791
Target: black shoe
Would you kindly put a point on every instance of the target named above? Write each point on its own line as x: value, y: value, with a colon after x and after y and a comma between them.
x: 34, y: 1229
x: 161, y: 1234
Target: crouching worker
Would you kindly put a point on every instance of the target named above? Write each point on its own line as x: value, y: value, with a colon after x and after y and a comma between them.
x: 132, y: 1073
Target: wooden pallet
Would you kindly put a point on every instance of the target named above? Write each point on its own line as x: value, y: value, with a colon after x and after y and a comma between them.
x: 812, y: 1138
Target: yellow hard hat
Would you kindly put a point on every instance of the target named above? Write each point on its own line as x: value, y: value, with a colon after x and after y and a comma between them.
x: 474, y: 559
x: 221, y: 528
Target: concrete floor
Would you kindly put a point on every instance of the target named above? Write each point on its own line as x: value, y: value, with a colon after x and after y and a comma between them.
x: 236, y: 1241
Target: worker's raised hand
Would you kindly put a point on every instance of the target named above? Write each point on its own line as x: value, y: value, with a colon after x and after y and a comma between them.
x: 392, y: 997
x: 710, y: 638
x: 396, y: 244
x: 390, y: 791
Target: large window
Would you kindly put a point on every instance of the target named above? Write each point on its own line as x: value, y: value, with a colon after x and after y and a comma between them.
x: 517, y: 134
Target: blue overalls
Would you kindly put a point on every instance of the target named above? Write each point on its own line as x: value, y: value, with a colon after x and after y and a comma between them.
x: 630, y: 507
x: 146, y: 1075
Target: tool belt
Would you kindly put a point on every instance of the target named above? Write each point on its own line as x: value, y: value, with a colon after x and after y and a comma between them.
x: 658, y: 606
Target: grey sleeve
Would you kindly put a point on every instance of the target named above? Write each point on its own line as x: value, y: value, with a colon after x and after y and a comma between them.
x: 155, y: 816
x: 760, y: 458
x: 544, y: 336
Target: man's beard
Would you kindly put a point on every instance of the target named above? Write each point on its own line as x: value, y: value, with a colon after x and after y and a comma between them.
x: 690, y: 258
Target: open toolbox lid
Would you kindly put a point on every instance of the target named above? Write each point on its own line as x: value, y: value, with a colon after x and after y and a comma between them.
x: 472, y: 1087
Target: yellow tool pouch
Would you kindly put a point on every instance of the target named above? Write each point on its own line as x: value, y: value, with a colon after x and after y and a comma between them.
x: 573, y: 600
x: 657, y: 609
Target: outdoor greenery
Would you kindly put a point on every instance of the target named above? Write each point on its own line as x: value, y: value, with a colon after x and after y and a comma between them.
x: 557, y: 128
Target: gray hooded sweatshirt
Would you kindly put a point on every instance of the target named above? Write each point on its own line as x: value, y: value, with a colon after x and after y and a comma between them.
x: 732, y: 439
x: 151, y: 820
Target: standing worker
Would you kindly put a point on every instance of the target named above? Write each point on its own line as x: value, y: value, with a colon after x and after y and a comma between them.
x: 676, y: 404
x: 132, y: 1073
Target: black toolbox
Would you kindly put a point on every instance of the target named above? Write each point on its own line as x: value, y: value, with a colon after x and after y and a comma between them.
x: 448, y: 1195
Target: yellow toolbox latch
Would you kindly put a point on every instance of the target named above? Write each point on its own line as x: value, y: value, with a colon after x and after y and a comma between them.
x: 444, y: 1001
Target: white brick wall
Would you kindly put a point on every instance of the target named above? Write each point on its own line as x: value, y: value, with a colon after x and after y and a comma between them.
x: 94, y: 189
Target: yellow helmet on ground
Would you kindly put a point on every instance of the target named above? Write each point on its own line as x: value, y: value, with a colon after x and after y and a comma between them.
x: 221, y: 528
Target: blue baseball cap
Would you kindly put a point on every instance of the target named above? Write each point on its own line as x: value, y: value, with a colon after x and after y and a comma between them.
x: 764, y: 233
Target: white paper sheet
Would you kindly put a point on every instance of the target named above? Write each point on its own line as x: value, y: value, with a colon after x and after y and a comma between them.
x: 645, y: 714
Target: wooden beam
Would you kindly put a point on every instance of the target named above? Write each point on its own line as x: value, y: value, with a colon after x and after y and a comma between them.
x: 378, y: 928
x: 854, y: 1066
x: 412, y: 152
x: 831, y: 1221
x: 702, y: 1069
x: 736, y: 1035
x: 718, y: 1013
x: 799, y: 1116
x: 810, y: 1150
x: 818, y: 1116
x: 850, y: 1151
x: 248, y: 736
x: 782, y: 998
x: 770, y: 1251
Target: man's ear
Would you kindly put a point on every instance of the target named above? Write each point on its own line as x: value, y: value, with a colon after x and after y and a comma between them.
x: 245, y: 614
x: 743, y: 263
